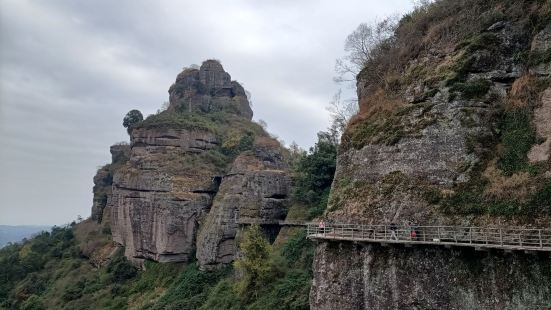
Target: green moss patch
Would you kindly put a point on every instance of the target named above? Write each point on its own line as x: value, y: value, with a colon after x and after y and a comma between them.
x: 517, y: 137
x: 391, y: 129
x: 472, y: 89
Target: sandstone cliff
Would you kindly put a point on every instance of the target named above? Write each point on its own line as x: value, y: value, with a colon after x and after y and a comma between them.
x: 103, y: 181
x: 456, y: 132
x: 201, y: 166
x: 208, y: 89
x: 255, y: 191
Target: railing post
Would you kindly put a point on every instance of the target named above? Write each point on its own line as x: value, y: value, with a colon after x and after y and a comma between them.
x: 352, y: 232
x: 501, y: 237
x: 486, y: 235
x: 385, y: 233
x: 307, y: 230
x: 541, y: 241
x: 470, y: 235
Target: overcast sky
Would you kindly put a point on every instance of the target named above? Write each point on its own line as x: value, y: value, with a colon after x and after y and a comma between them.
x: 70, y: 70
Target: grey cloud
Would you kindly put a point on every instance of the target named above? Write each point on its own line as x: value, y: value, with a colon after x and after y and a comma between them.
x: 70, y: 70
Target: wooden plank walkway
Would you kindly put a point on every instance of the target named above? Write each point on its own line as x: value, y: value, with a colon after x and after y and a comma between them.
x: 505, y: 238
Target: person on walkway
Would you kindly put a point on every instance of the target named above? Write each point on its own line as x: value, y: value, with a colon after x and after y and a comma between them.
x: 322, y: 226
x: 413, y: 231
x: 393, y: 229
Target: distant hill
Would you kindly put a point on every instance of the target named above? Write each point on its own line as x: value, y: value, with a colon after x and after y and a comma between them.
x: 17, y: 233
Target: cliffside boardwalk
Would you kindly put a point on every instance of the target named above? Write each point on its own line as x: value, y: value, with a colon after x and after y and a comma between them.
x: 477, y: 237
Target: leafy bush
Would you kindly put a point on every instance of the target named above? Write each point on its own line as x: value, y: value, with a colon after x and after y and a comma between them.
x: 237, y: 145
x: 74, y: 291
x: 121, y: 269
x: 190, y: 290
x: 298, y: 251
x: 313, y: 175
x: 223, y: 296
x: 254, y: 263
x: 156, y: 275
x: 289, y: 292
x: 34, y: 302
x: 132, y: 118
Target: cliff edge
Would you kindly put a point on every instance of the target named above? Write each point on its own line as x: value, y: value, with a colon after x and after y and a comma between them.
x: 452, y: 130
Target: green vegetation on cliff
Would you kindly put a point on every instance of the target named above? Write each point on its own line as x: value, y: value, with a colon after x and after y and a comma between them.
x: 52, y: 271
x: 487, y: 59
x: 312, y: 177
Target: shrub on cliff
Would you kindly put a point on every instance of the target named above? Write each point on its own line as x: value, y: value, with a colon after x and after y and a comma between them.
x: 121, y: 269
x: 190, y: 290
x: 518, y: 136
x: 236, y: 143
x: 254, y: 266
x: 132, y: 118
x: 314, y: 173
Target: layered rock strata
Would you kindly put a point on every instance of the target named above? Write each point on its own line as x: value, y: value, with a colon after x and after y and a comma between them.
x: 155, y: 203
x: 182, y: 160
x: 255, y: 191
x: 103, y: 182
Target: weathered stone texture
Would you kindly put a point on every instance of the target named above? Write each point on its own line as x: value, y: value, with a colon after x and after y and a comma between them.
x: 155, y: 206
x: 103, y: 181
x: 541, y: 43
x: 165, y: 192
x: 353, y: 276
x: 102, y: 191
x: 254, y: 192
x: 208, y: 89
x: 390, y: 180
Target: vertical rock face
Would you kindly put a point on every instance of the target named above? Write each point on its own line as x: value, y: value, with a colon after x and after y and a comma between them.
x: 255, y: 191
x: 208, y: 89
x: 155, y: 203
x: 449, y: 142
x: 349, y: 276
x: 203, y: 149
x: 103, y: 181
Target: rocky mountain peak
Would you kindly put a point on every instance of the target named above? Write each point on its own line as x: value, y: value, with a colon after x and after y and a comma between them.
x: 208, y: 89
x: 192, y: 174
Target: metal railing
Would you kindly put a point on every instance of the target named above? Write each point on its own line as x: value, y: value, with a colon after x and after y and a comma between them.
x: 481, y: 237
